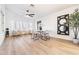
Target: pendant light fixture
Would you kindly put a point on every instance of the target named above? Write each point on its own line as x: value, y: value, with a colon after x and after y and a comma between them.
x: 28, y: 14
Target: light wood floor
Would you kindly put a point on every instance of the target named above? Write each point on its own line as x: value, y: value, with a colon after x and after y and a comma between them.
x: 24, y: 45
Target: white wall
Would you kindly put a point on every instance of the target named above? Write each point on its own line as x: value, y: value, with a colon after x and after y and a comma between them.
x: 2, y: 16
x: 50, y: 22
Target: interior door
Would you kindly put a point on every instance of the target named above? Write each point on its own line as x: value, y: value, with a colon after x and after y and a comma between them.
x: 63, y: 24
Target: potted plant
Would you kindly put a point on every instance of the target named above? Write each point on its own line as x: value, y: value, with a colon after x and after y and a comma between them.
x: 74, y: 23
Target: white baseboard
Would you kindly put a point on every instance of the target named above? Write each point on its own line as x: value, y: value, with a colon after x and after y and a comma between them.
x: 66, y: 37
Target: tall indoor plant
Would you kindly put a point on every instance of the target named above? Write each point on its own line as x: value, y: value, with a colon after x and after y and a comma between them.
x: 74, y: 22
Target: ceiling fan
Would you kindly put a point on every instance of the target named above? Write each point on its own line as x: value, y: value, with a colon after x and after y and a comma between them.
x: 28, y: 11
x: 29, y: 14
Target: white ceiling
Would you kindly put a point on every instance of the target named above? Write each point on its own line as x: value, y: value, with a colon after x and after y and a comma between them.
x: 40, y: 10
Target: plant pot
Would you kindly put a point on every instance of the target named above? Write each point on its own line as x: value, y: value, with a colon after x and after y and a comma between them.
x: 76, y: 41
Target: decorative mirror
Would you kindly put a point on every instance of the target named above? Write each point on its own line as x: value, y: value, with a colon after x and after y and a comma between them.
x: 62, y: 28
x: 63, y: 24
x: 39, y: 25
x: 63, y: 21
